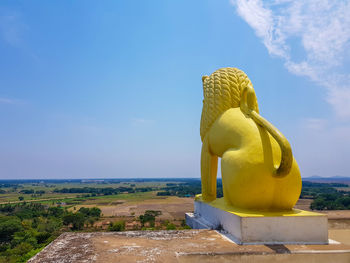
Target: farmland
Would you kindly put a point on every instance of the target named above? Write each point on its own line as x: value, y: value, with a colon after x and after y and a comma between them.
x: 40, y: 210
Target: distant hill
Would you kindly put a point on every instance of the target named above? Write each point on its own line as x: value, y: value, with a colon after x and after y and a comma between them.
x: 333, y: 179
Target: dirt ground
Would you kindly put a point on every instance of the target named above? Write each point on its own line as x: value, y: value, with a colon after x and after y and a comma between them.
x: 303, y: 204
x: 186, y: 246
x: 180, y: 246
x: 340, y: 235
x: 174, y: 208
x: 337, y: 219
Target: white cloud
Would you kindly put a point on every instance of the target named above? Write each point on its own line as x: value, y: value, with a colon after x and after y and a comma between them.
x: 8, y: 101
x: 321, y: 27
x: 262, y: 21
x: 315, y: 124
x: 11, y: 28
x: 141, y: 121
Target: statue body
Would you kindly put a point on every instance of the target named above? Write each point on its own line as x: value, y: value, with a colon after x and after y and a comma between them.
x: 257, y: 166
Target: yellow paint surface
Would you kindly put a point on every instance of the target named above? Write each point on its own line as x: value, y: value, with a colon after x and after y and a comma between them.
x: 257, y: 165
x: 221, y: 204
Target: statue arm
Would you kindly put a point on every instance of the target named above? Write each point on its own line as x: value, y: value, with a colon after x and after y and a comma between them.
x: 286, y: 150
x: 209, y: 167
x: 248, y: 106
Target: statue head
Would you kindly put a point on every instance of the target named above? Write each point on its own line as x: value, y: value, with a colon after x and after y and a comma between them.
x: 224, y: 89
x: 231, y: 88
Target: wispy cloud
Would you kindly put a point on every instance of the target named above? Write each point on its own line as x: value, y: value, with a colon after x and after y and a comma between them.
x: 8, y: 101
x: 315, y: 124
x: 321, y: 27
x: 141, y: 121
x: 11, y: 28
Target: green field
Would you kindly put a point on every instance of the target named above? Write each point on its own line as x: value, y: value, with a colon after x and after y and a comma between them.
x: 13, y: 193
x: 33, y: 213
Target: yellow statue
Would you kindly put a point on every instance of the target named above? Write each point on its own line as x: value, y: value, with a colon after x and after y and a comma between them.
x: 257, y: 166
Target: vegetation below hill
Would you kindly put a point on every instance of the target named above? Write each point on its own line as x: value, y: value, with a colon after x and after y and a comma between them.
x: 326, y: 196
x: 33, y: 213
x: 188, y: 189
x: 26, y: 228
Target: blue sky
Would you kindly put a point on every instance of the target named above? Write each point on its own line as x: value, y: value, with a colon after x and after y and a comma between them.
x: 97, y: 89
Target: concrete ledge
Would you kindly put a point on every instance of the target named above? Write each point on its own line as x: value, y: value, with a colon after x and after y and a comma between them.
x: 197, y: 223
x: 179, y: 246
x: 294, y: 227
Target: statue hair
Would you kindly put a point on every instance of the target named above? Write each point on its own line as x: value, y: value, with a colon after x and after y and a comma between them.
x: 222, y: 90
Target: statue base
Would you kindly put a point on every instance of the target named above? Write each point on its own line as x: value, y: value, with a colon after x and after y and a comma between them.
x: 256, y: 227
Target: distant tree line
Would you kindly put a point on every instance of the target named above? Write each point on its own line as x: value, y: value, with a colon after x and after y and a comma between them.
x: 313, y: 184
x: 31, y: 191
x: 13, y: 183
x: 104, y: 191
x: 189, y: 189
x: 8, y: 185
x: 325, y: 196
x: 312, y: 190
x: 331, y: 201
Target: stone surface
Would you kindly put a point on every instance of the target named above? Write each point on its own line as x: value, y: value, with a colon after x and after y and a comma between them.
x: 294, y: 227
x: 179, y: 246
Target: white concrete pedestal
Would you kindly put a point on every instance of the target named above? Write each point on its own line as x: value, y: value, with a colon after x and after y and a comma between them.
x: 246, y: 227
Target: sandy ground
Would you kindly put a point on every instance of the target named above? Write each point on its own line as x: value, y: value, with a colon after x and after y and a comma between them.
x: 340, y: 235
x: 186, y: 246
x: 303, y: 204
x: 337, y: 214
x: 179, y: 246
x: 173, y: 208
